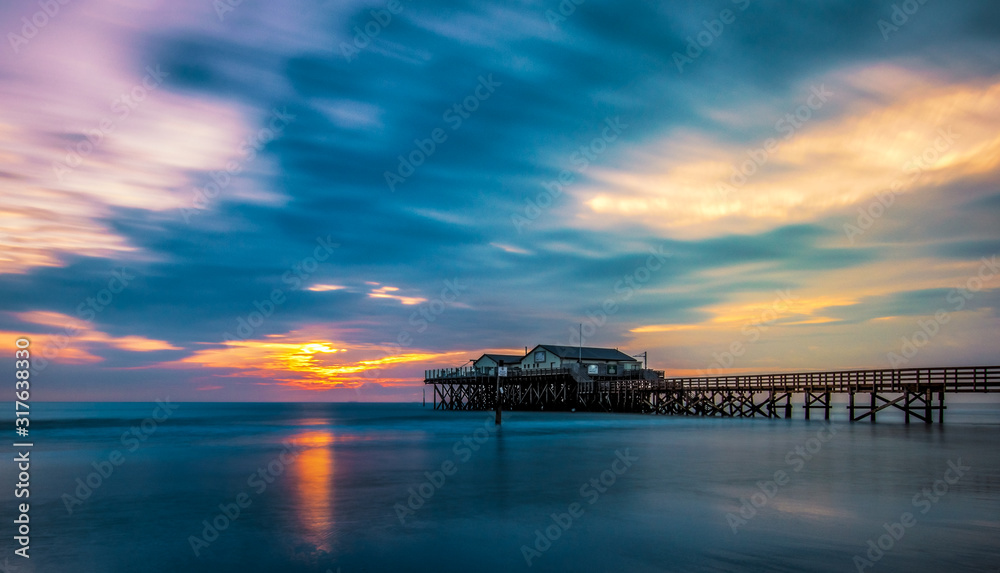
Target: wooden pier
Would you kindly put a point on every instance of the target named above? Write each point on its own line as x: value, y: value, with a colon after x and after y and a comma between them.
x: 918, y: 392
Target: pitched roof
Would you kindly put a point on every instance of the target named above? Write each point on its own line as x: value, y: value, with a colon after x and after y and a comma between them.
x: 507, y: 358
x: 589, y: 353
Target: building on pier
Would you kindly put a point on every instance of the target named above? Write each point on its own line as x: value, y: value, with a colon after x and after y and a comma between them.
x: 599, y: 361
x: 608, y: 361
x: 549, y: 376
x: 487, y: 363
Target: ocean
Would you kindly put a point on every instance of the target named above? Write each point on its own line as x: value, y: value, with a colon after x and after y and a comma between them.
x: 192, y: 487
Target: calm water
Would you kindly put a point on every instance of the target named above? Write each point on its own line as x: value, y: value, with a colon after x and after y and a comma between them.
x: 337, y: 477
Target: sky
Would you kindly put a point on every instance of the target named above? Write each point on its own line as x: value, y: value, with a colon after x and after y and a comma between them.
x: 318, y: 200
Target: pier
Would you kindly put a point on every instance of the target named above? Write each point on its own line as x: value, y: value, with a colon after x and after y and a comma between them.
x: 918, y: 392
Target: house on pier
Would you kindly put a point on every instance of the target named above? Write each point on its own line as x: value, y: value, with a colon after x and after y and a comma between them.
x: 603, y: 361
x: 487, y: 363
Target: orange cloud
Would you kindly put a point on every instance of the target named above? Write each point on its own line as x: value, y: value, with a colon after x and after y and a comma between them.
x: 77, y: 338
x: 759, y: 308
x: 385, y: 292
x: 138, y: 343
x: 829, y: 162
x: 299, y: 359
x: 324, y: 288
x: 773, y: 306
x: 56, y: 348
x: 663, y: 328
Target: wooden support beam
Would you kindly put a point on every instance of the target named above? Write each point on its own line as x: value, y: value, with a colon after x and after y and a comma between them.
x: 928, y: 398
x: 762, y: 408
x: 941, y: 406
x: 906, y: 398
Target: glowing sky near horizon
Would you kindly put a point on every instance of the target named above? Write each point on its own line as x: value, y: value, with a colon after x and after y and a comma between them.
x: 263, y: 205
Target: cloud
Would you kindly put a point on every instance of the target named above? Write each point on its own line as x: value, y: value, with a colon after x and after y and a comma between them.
x: 68, y: 340
x: 203, y: 263
x: 916, y: 134
x: 300, y: 359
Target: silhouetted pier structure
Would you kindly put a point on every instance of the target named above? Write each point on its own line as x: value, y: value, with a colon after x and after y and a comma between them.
x: 918, y: 392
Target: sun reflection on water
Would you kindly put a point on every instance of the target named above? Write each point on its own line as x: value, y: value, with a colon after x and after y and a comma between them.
x: 313, y: 472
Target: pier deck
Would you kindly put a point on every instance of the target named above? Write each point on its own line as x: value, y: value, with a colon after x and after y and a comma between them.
x: 918, y: 392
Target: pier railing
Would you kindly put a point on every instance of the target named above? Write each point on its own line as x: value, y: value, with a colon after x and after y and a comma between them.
x: 468, y: 373
x: 957, y: 379
x: 443, y: 375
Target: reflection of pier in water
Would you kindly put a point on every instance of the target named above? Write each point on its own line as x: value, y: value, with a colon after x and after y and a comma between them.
x: 918, y: 392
